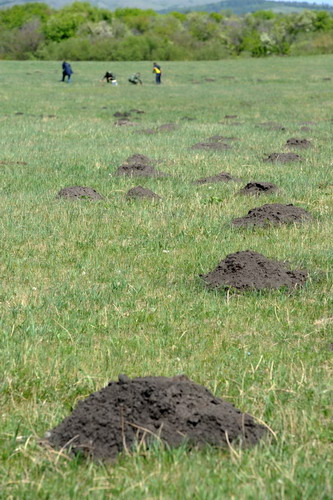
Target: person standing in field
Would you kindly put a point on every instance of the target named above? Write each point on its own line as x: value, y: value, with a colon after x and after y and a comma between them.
x: 109, y: 77
x: 66, y: 71
x: 158, y: 72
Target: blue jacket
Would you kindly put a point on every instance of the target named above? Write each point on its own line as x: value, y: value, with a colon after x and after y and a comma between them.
x: 67, y: 69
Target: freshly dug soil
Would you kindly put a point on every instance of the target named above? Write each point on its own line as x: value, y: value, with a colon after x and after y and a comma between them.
x: 221, y: 177
x: 124, y: 123
x: 211, y: 146
x: 298, y: 143
x: 174, y: 410
x: 79, y: 192
x: 250, y: 270
x: 141, y: 192
x: 274, y: 213
x: 282, y: 158
x: 139, y: 166
x: 258, y: 188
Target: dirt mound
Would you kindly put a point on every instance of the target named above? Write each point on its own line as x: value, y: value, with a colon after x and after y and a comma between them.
x: 274, y: 213
x: 139, y: 166
x: 188, y: 118
x: 124, y: 122
x: 293, y: 142
x: 174, y: 410
x: 272, y: 126
x: 79, y: 193
x: 221, y: 177
x: 210, y: 79
x: 258, y: 188
x: 137, y: 111
x: 141, y: 192
x: 121, y: 114
x: 250, y: 270
x: 282, y: 158
x: 9, y: 162
x: 211, y: 146
x: 230, y: 117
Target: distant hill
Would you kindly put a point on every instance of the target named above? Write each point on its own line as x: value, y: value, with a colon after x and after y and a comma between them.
x: 239, y: 7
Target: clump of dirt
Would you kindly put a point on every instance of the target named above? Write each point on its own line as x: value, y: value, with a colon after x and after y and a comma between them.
x: 221, y: 177
x: 141, y: 192
x: 139, y: 166
x: 137, y: 111
x: 174, y: 410
x: 210, y: 79
x: 121, y: 114
x: 5, y: 162
x: 79, y: 193
x: 272, y: 126
x: 273, y: 213
x: 293, y: 142
x: 211, y: 146
x: 258, y: 188
x: 248, y: 270
x: 327, y: 79
x: 124, y: 123
x: 282, y: 158
x: 188, y: 118
x: 18, y: 113
x: 230, y: 117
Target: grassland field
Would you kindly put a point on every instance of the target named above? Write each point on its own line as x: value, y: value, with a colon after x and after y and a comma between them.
x: 93, y: 289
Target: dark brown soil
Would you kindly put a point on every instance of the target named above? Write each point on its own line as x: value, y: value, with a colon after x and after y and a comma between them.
x: 298, y: 143
x: 79, y: 193
x: 4, y: 162
x: 137, y: 111
x: 250, y: 270
x: 141, y: 192
x: 122, y: 114
x: 139, y: 166
x: 211, y: 146
x: 174, y: 410
x: 274, y: 213
x: 124, y: 123
x: 258, y: 188
x: 221, y: 177
x: 282, y: 158
x: 19, y: 113
x: 230, y: 117
x: 272, y: 126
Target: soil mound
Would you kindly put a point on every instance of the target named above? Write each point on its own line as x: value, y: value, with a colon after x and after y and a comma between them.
x: 298, y: 143
x: 124, y: 122
x: 137, y: 111
x: 230, y: 117
x: 79, y: 193
x: 211, y: 146
x: 272, y: 126
x: 274, y: 213
x: 250, y: 270
x: 141, y: 192
x: 282, y: 158
x: 221, y: 177
x: 174, y: 410
x: 258, y: 188
x: 139, y: 166
x: 121, y: 114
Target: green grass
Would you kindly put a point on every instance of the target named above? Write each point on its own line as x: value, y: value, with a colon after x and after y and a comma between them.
x: 91, y: 290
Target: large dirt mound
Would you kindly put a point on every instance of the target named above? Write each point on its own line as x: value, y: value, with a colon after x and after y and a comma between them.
x: 142, y: 192
x: 221, y: 177
x: 139, y: 166
x: 258, y: 188
x: 79, y: 193
x: 133, y: 410
x: 250, y: 270
x: 282, y: 158
x: 293, y: 142
x: 273, y: 213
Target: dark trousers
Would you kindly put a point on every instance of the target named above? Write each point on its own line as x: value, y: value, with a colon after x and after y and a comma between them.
x: 158, y: 78
x: 64, y: 74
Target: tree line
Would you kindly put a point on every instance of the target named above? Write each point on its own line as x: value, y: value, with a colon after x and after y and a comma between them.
x: 80, y: 31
